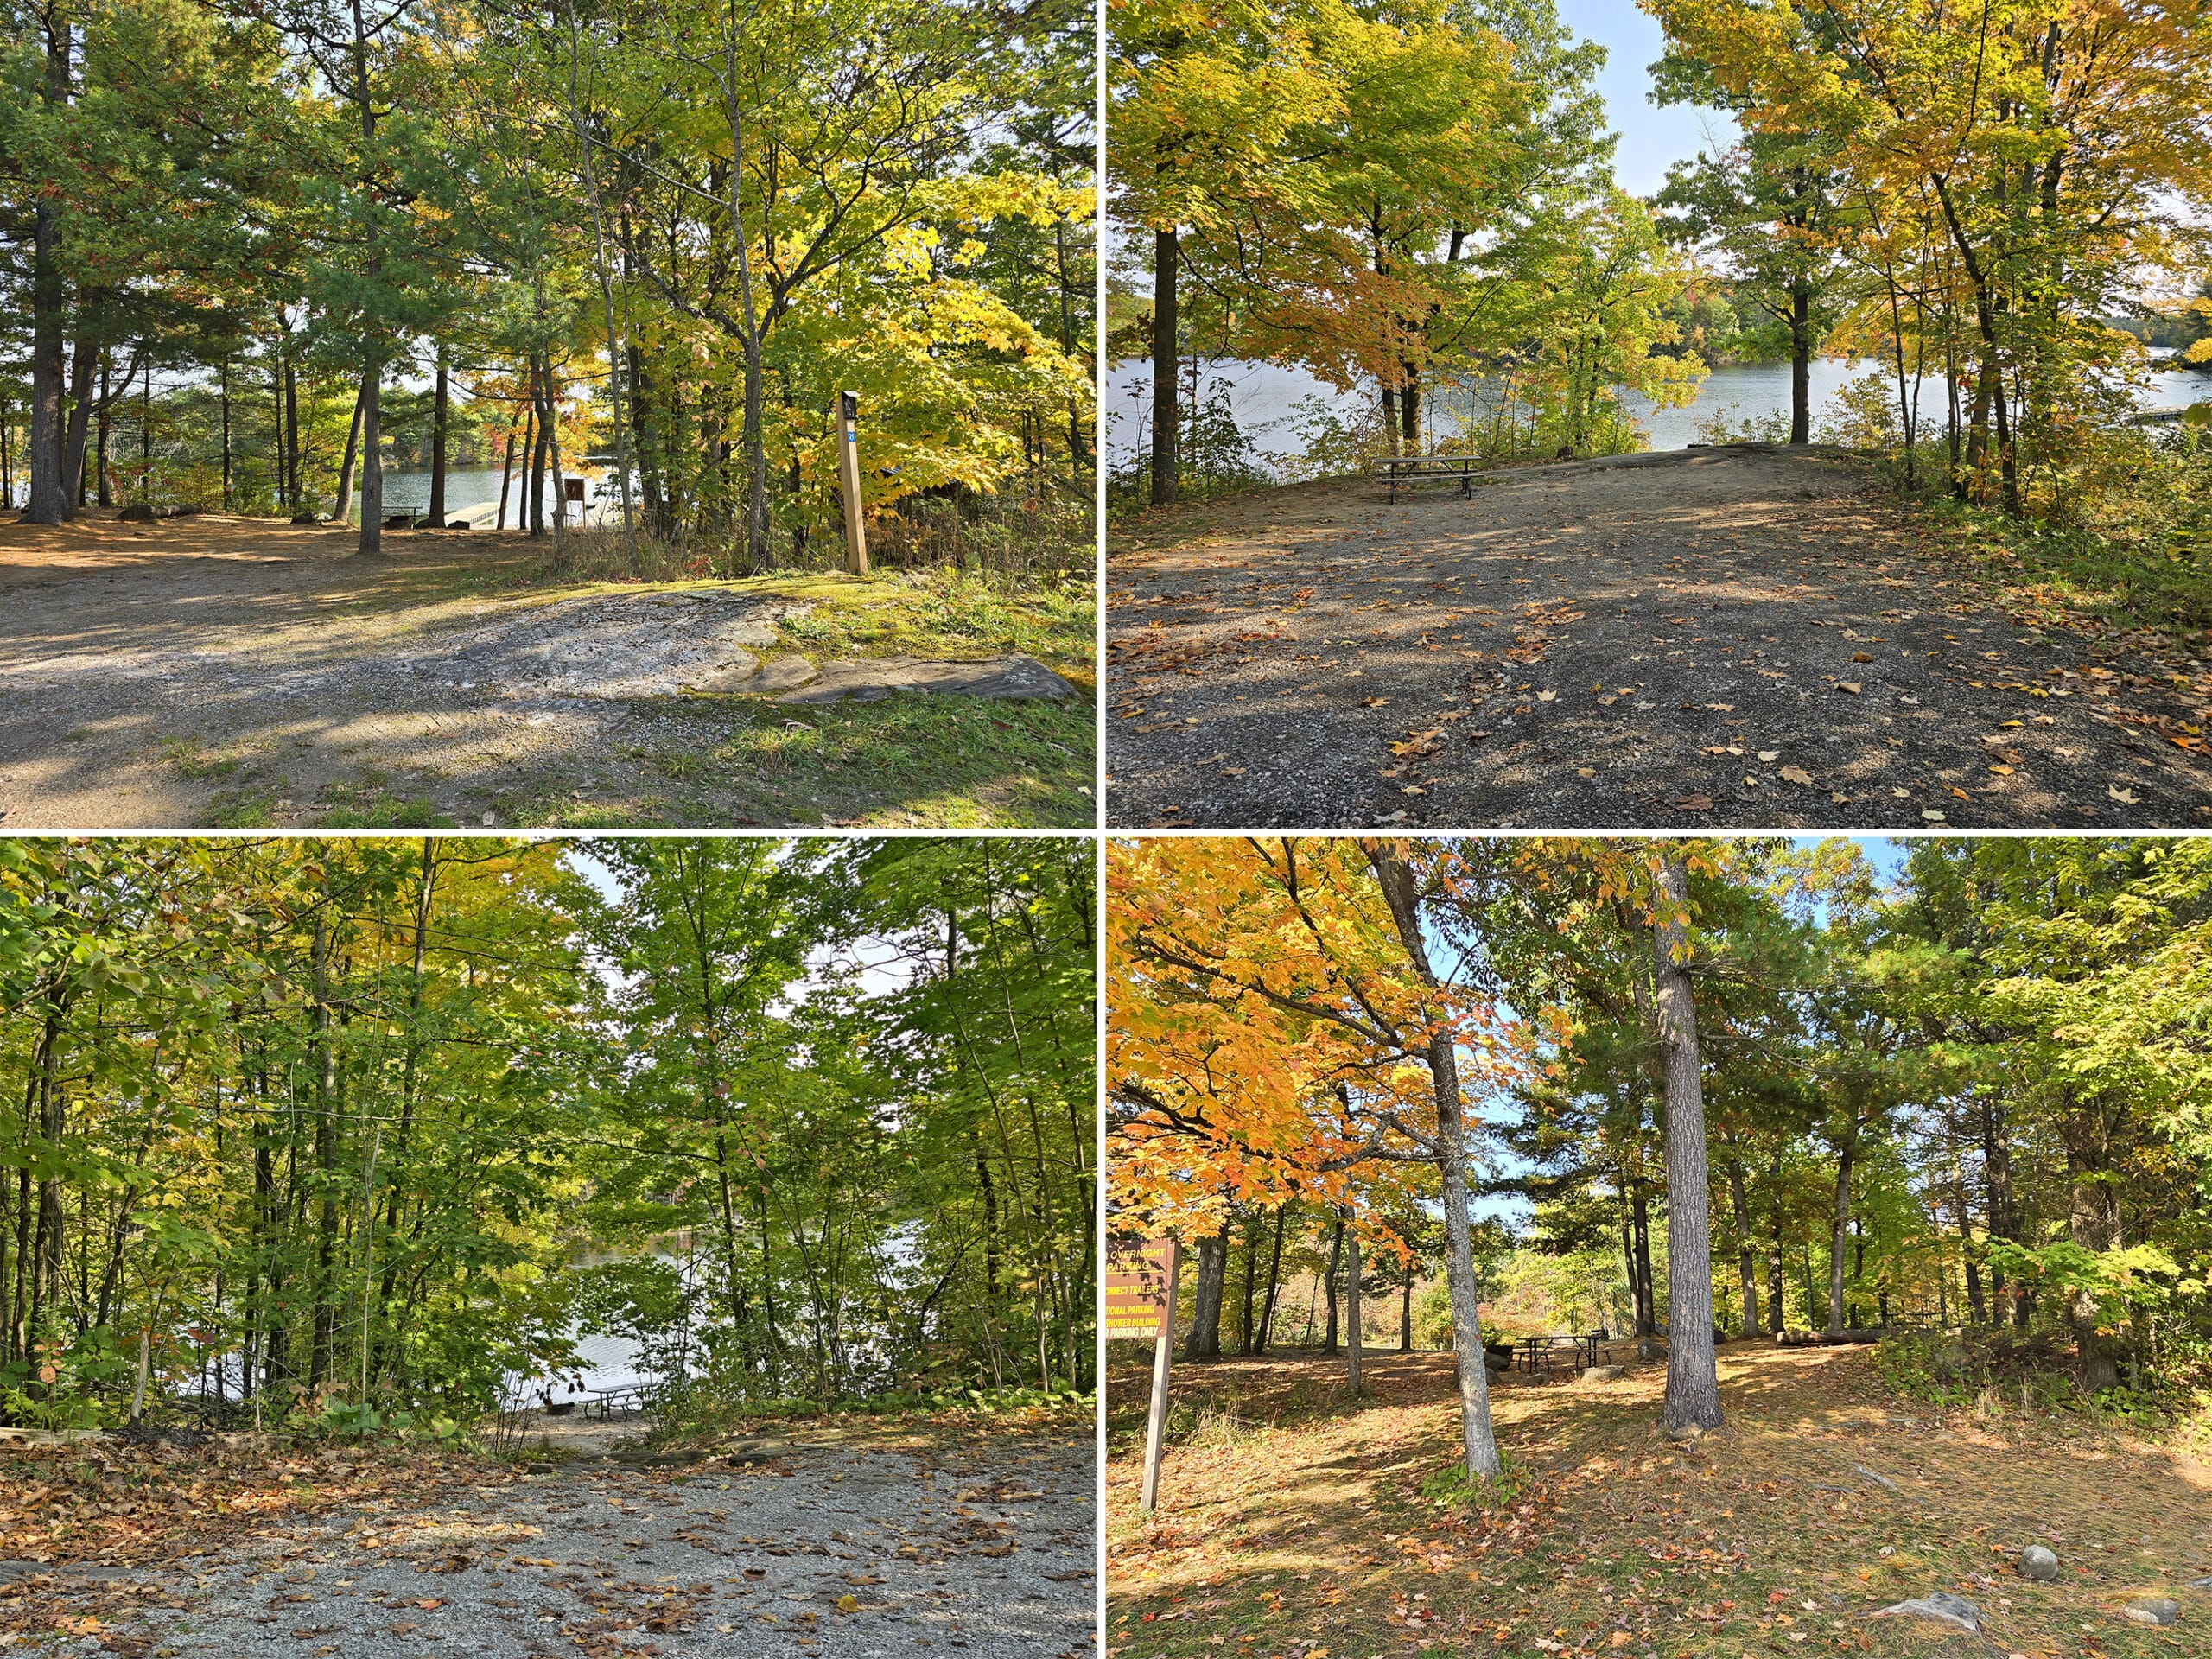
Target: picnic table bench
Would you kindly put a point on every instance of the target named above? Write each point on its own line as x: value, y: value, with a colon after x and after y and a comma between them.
x: 1414, y: 469
x: 626, y: 1399
x: 1582, y: 1344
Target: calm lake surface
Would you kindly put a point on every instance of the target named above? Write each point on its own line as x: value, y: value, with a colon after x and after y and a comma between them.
x: 1262, y: 397
x: 473, y: 493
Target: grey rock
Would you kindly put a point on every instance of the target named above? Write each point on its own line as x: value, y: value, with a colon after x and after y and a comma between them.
x: 1940, y: 1604
x: 1604, y: 1373
x: 610, y: 646
x: 138, y: 512
x: 2038, y: 1563
x: 870, y: 680
x: 307, y: 517
x: 1647, y: 1349
x: 787, y: 673
x: 2152, y: 1609
x: 2201, y: 1584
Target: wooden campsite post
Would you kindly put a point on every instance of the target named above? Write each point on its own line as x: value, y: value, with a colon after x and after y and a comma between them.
x: 1140, y: 1276
x: 848, y: 481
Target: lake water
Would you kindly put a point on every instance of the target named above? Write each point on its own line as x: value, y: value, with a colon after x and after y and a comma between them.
x: 473, y: 493
x: 1262, y: 397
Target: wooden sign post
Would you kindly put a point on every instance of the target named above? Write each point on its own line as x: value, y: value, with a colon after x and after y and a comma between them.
x: 1140, y: 1276
x: 848, y: 480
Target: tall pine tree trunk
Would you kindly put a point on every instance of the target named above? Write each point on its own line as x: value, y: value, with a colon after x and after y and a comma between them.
x: 1693, y: 1383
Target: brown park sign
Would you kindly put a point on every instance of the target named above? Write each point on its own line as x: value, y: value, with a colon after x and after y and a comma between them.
x: 1139, y: 1289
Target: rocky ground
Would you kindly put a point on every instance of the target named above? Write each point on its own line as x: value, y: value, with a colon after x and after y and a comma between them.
x: 1736, y: 638
x: 851, y: 1545
x: 216, y: 670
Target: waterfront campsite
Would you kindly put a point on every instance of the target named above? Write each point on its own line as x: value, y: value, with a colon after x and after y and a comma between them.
x: 465, y: 1246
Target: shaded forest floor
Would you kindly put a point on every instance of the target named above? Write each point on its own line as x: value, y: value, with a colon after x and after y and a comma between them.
x: 1309, y: 1537
x: 1733, y: 637
x: 225, y: 671
x: 863, y: 1539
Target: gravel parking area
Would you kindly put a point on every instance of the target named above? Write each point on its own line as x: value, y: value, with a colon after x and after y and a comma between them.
x: 843, y: 1545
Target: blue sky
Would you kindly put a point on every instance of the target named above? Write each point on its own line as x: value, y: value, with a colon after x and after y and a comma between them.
x: 1650, y: 137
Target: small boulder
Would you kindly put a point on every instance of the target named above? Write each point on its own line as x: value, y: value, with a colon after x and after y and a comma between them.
x: 2152, y: 1609
x: 1941, y: 1604
x: 1647, y: 1349
x: 458, y: 523
x: 1604, y: 1374
x: 306, y: 518
x: 138, y: 512
x: 2038, y: 1563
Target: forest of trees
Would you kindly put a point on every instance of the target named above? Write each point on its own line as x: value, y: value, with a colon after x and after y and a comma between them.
x: 645, y: 238
x: 1420, y: 197
x: 1968, y: 1094
x: 309, y: 1127
x: 1399, y: 198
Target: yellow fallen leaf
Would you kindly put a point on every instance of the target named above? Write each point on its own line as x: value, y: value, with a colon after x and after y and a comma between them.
x: 1546, y: 696
x: 1768, y: 757
x: 2002, y: 772
x: 848, y: 1603
x: 2125, y: 796
x: 1851, y: 686
x: 1796, y: 775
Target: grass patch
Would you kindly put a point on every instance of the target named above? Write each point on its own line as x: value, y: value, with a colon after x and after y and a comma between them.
x: 2138, y: 561
x: 904, y: 761
x: 191, y: 759
x: 250, y: 808
x: 366, y: 803
x: 952, y: 614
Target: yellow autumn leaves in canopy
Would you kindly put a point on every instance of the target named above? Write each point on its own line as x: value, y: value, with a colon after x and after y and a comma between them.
x: 1414, y: 198
x: 2015, y: 172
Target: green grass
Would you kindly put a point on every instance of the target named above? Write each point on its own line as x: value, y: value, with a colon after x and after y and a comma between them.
x: 2140, y: 562
x: 195, y: 762
x: 367, y: 804
x: 908, y: 760
x: 952, y: 614
x: 250, y: 808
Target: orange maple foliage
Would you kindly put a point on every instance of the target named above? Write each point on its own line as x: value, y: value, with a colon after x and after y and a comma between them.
x: 1267, y: 1035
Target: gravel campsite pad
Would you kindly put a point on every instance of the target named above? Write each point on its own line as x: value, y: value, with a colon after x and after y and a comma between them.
x: 1710, y: 639
x: 215, y: 671
x: 851, y: 1545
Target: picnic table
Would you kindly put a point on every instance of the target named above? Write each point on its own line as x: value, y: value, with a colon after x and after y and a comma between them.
x: 626, y: 1399
x: 1537, y: 1350
x: 1414, y: 469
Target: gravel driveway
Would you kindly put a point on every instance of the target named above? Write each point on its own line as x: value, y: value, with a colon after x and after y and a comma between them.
x: 1733, y: 637
x: 834, y: 1546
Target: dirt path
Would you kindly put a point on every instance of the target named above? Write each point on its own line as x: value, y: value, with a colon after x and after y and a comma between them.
x: 217, y: 670
x: 851, y: 1545
x: 1291, y: 1524
x: 1736, y: 638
